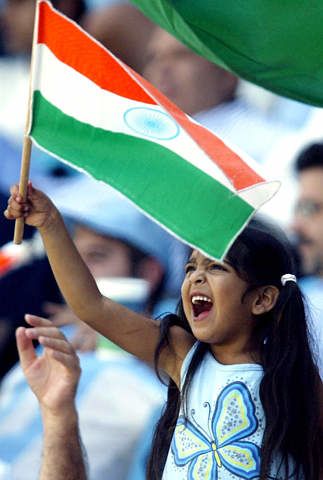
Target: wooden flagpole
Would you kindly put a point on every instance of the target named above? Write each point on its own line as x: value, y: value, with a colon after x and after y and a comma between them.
x: 26, y: 149
x: 23, y: 185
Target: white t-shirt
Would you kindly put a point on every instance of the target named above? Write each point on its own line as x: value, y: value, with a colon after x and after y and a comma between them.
x: 222, y: 436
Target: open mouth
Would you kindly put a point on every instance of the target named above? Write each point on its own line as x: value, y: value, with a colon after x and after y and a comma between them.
x: 201, y: 304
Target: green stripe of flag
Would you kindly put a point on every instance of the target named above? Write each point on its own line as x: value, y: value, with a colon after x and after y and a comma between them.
x: 165, y: 186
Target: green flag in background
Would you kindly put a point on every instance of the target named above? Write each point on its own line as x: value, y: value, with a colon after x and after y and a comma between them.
x: 275, y: 44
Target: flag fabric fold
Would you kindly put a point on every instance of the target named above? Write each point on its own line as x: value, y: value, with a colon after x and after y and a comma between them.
x: 94, y: 112
x: 276, y: 45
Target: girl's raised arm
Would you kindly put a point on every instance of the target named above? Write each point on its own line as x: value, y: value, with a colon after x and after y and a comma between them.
x: 131, y: 331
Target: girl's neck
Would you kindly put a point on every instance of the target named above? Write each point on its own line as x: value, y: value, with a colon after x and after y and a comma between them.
x: 238, y: 349
x: 232, y: 356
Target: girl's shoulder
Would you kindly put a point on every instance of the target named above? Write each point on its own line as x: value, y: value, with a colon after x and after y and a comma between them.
x: 179, y: 345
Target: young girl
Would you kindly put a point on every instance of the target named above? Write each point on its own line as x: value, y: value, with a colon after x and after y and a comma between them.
x: 243, y: 397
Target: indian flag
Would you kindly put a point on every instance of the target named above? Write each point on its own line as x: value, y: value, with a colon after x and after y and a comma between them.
x: 92, y: 111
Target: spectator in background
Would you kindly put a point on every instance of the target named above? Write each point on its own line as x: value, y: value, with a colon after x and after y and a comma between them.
x: 53, y: 377
x: 189, y: 80
x: 115, y: 240
x: 209, y: 94
x: 18, y: 19
x: 308, y: 227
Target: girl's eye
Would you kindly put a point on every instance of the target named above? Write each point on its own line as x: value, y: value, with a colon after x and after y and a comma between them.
x: 189, y: 268
x: 216, y: 266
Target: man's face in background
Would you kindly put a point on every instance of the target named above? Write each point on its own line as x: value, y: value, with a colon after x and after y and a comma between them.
x: 190, y: 81
x: 105, y: 256
x: 308, y: 220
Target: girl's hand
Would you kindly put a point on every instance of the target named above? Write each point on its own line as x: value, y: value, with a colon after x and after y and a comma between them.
x: 53, y: 376
x: 37, y: 210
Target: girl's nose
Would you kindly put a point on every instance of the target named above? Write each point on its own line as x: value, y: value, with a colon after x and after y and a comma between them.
x: 198, y: 276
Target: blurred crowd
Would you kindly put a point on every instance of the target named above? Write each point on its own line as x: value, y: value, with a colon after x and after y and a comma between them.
x: 133, y: 260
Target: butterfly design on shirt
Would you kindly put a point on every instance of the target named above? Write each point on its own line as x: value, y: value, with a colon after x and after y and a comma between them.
x: 223, y: 447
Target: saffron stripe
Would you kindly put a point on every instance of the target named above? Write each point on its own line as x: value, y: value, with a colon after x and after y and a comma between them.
x: 76, y: 48
x: 159, y: 181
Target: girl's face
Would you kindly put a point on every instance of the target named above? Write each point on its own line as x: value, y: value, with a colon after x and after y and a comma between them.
x: 212, y: 295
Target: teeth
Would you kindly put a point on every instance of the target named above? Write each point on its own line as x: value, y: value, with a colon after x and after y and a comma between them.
x: 200, y: 298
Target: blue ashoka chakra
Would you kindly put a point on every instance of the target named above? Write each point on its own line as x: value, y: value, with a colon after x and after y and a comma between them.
x: 151, y: 123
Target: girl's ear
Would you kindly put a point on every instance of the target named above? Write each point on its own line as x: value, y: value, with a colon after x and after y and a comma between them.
x: 265, y: 299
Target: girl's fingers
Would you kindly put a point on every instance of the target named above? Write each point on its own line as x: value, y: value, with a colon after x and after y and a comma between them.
x: 30, y: 189
x: 14, y: 190
x: 17, y: 207
x: 14, y: 210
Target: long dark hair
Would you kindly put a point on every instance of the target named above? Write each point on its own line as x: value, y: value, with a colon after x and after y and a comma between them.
x: 290, y: 387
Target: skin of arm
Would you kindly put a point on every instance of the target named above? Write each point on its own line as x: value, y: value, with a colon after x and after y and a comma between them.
x: 133, y: 332
x: 53, y: 377
x: 63, y: 456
